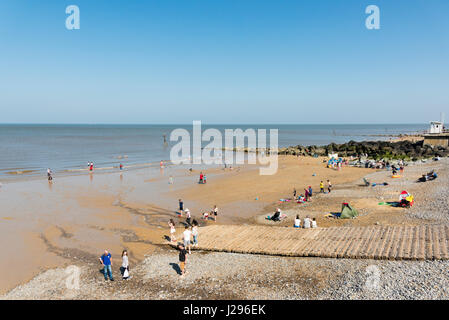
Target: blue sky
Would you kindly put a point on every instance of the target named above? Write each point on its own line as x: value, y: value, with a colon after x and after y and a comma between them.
x: 223, y: 61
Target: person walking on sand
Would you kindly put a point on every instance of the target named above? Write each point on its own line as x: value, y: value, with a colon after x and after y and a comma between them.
x: 91, y: 167
x: 49, y: 174
x: 182, y: 259
x: 329, y: 186
x: 195, y: 233
x: 181, y: 206
x: 310, y: 192
x: 171, y: 224
x: 201, y: 177
x: 186, y: 235
x: 124, y: 269
x: 215, y: 212
x: 188, y: 216
x: 294, y: 193
x: 321, y: 187
x: 105, y: 260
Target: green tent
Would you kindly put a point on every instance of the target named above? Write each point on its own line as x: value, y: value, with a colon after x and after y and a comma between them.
x: 347, y: 211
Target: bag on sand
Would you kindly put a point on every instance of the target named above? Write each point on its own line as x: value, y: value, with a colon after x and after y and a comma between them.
x: 126, y: 274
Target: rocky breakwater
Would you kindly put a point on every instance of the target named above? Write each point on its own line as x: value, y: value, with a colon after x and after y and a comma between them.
x: 372, y: 149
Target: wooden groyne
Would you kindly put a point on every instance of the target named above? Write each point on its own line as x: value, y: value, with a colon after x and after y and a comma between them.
x: 427, y: 242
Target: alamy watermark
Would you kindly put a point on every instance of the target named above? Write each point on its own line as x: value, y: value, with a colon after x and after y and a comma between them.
x: 73, y: 20
x: 373, y: 20
x: 372, y: 282
x: 190, y: 150
x: 72, y: 282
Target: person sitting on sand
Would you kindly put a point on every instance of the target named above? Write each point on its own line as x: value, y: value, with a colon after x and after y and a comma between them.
x: 277, y: 215
x: 307, y: 223
x: 314, y: 225
x: 206, y: 215
x: 297, y: 222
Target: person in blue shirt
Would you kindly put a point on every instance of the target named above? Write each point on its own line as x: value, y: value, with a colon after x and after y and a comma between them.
x: 105, y: 260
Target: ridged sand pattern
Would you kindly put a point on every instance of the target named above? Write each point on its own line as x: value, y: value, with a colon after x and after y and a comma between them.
x: 428, y: 242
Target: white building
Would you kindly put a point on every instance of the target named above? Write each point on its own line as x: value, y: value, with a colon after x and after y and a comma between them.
x: 436, y: 127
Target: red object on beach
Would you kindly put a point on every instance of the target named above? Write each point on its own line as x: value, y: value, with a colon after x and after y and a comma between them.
x: 91, y: 167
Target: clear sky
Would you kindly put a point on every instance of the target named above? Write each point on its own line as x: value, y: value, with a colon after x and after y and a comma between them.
x: 224, y: 61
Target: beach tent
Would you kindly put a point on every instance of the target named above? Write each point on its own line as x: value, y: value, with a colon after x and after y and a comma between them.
x: 347, y: 211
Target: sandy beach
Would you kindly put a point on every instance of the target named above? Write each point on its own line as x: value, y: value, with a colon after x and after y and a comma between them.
x: 74, y: 220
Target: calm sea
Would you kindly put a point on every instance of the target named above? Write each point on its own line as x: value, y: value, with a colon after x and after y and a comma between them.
x: 28, y: 150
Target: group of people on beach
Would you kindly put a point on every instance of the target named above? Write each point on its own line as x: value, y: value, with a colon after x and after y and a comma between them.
x: 106, y: 262
x: 307, y: 223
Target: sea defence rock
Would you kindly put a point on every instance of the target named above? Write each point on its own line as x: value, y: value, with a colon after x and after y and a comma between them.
x: 372, y: 149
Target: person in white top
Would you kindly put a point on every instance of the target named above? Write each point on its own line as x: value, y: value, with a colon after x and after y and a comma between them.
x: 195, y: 233
x: 297, y: 222
x: 188, y: 216
x: 307, y: 222
x: 124, y: 269
x: 314, y: 225
x: 171, y: 224
x: 186, y: 237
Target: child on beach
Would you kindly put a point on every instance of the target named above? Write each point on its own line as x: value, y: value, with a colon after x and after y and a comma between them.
x: 105, y: 260
x: 186, y: 235
x: 314, y: 225
x: 171, y: 224
x: 124, y: 269
x: 294, y: 193
x: 321, y: 187
x: 310, y: 192
x: 195, y: 233
x: 182, y: 259
x: 170, y: 180
x: 201, y: 177
x: 297, y: 222
x: 329, y: 186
